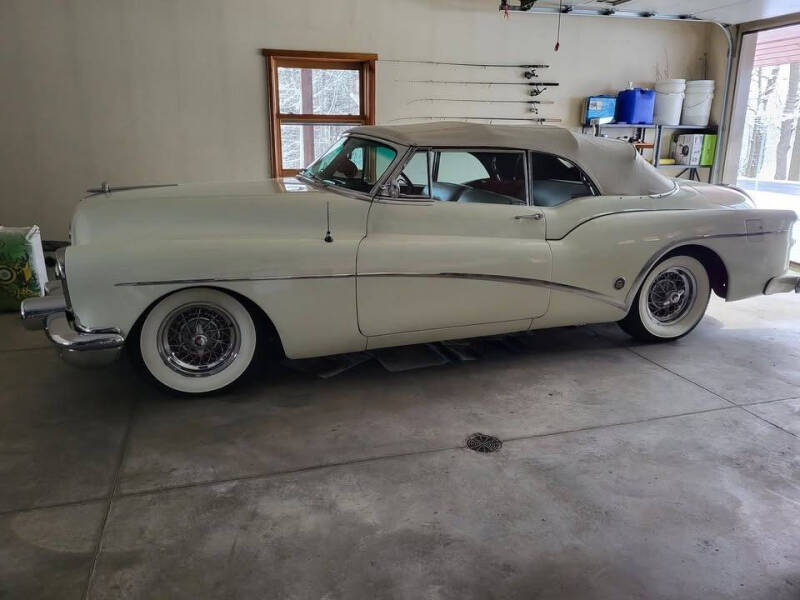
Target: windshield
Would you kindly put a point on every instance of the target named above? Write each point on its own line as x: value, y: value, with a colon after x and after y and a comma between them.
x: 353, y: 163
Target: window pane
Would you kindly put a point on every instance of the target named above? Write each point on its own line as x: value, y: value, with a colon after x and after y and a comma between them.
x: 289, y: 91
x: 303, y: 144
x: 460, y: 167
x: 415, y: 175
x: 556, y: 180
x: 382, y: 157
x: 335, y: 92
x: 318, y: 91
x: 417, y: 168
x: 482, y: 177
x: 769, y: 160
x: 353, y: 163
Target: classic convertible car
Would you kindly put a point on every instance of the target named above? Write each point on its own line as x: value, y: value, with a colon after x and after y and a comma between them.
x: 399, y: 235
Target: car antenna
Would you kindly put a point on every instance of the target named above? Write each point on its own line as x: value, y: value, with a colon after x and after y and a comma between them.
x: 328, y: 237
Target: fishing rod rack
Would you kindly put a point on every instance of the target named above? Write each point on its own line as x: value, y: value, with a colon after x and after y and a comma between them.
x: 530, y: 74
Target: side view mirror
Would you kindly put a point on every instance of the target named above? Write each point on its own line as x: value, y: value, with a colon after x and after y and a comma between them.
x: 390, y: 189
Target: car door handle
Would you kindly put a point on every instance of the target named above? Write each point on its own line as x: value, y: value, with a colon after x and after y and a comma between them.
x: 535, y: 216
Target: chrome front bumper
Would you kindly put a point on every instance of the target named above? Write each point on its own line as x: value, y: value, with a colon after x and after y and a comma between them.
x: 788, y: 282
x: 34, y: 311
x: 76, y: 346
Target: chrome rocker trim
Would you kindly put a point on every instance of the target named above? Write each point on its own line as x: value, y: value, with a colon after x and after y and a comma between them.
x: 474, y: 276
x: 559, y: 287
x: 234, y: 279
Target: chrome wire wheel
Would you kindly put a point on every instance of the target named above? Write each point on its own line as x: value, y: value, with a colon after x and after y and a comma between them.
x: 671, y: 295
x: 199, y: 339
x: 671, y: 300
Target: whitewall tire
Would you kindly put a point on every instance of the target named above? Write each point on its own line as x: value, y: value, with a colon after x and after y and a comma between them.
x: 197, y: 340
x: 671, y: 300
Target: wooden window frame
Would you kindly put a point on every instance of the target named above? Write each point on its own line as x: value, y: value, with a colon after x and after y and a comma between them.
x: 306, y: 59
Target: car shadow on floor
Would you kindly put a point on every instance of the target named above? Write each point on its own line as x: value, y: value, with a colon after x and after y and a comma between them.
x: 464, y: 353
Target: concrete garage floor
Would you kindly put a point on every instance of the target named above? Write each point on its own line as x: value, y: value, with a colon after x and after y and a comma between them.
x: 628, y: 471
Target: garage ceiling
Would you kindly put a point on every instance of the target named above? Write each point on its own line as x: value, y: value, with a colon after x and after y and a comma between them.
x: 726, y: 11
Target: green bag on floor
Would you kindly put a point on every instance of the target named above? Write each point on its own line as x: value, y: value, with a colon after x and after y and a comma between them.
x: 22, y: 270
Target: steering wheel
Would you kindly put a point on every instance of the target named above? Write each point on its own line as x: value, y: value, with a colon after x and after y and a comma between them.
x: 406, y: 180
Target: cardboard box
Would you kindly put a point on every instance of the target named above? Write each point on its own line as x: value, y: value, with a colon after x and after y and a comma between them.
x: 688, y: 149
x: 707, y: 153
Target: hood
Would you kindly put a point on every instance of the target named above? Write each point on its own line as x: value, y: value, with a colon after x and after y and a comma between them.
x: 192, y: 211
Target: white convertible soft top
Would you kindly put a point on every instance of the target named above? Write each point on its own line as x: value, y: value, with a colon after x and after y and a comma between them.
x: 614, y: 166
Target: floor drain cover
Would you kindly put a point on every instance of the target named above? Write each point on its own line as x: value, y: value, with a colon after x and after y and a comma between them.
x: 480, y: 442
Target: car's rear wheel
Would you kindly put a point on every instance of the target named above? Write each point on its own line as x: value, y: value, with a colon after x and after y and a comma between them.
x: 671, y: 301
x: 197, y: 340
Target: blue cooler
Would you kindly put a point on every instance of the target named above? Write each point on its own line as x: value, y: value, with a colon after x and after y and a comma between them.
x: 635, y: 106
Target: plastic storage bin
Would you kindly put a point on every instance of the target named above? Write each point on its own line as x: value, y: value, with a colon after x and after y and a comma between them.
x: 635, y: 106
x: 697, y: 105
x: 669, y: 101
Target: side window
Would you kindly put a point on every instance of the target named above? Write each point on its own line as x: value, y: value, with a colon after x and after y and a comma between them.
x: 556, y: 180
x: 353, y: 163
x: 357, y: 157
x: 384, y: 156
x: 413, y: 180
x: 460, y: 167
x: 486, y: 177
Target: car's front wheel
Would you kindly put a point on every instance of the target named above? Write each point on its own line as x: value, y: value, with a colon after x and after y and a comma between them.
x: 671, y: 301
x: 197, y: 340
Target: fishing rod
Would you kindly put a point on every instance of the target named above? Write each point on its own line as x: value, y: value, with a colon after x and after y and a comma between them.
x: 530, y: 70
x: 528, y: 119
x: 459, y: 64
x: 537, y: 91
x: 539, y: 87
x: 533, y: 105
x: 528, y: 83
x: 487, y: 101
x: 530, y: 74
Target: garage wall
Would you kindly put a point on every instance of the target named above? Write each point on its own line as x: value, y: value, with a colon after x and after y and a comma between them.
x: 174, y: 90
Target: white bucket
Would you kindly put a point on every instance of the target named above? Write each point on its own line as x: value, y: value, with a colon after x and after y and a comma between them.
x: 697, y: 105
x: 669, y: 101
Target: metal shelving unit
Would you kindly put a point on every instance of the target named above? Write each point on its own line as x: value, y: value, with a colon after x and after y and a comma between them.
x: 693, y: 169
x: 659, y: 133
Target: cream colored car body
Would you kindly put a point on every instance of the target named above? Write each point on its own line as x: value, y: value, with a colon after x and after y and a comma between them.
x: 402, y: 271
